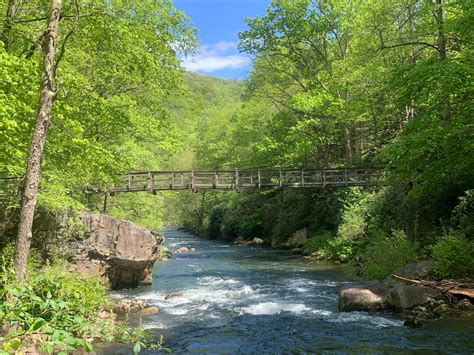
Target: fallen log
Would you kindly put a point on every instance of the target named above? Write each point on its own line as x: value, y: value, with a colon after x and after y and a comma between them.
x: 447, y: 286
x: 405, y: 280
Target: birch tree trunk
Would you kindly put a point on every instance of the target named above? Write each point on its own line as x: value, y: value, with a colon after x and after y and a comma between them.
x: 43, y: 120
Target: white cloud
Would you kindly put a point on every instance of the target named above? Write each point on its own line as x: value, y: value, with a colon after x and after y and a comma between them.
x: 219, y: 47
x: 217, y: 56
x: 209, y: 64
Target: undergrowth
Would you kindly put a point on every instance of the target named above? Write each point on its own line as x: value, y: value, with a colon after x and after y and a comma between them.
x: 60, y: 310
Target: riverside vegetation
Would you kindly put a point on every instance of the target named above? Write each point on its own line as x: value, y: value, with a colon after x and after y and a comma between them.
x: 335, y: 83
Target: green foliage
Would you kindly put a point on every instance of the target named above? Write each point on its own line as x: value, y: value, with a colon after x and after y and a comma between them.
x: 354, y: 222
x: 462, y: 218
x: 119, y: 67
x: 66, y: 309
x: 385, y: 254
x: 317, y: 245
x: 453, y: 256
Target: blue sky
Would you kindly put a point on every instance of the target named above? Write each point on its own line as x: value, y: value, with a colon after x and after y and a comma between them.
x: 218, y: 23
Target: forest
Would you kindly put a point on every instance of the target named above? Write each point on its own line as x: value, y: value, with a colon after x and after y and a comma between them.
x: 366, y: 83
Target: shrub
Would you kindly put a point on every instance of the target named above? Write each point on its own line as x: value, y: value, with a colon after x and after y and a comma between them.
x: 385, y: 254
x: 64, y: 308
x: 330, y: 247
x: 453, y: 255
x: 318, y: 243
x: 463, y: 215
x: 354, y: 218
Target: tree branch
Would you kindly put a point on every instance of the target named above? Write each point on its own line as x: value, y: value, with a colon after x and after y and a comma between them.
x: 66, y: 38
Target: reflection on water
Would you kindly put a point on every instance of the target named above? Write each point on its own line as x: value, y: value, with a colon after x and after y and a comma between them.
x: 256, y: 301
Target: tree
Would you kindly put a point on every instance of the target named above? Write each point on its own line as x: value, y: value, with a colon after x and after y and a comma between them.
x: 43, y: 121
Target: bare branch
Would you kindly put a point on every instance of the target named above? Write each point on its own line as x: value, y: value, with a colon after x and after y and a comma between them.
x: 66, y: 38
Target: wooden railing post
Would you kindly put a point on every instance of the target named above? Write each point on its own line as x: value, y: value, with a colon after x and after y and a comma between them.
x: 259, y: 179
x: 323, y: 178
x: 237, y: 179
x: 172, y: 180
x: 193, y: 181
x: 129, y: 182
x: 216, y: 180
x: 150, y: 182
x: 345, y: 177
x: 104, y: 207
x: 280, y: 182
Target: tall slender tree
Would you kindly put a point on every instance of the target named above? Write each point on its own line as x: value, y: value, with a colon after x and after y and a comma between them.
x: 43, y: 121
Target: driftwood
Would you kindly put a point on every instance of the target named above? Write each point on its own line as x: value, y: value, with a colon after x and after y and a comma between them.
x: 451, y: 287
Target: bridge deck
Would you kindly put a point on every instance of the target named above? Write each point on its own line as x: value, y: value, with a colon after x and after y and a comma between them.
x: 251, y: 179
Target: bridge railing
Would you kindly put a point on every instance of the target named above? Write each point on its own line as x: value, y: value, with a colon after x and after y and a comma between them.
x: 153, y: 181
x: 242, y: 179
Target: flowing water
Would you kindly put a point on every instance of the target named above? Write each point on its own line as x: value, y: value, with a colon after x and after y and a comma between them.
x: 258, y: 301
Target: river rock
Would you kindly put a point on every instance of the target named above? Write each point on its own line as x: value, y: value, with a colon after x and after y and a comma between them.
x: 182, y: 250
x: 118, y: 251
x: 441, y: 309
x: 465, y: 305
x: 257, y: 241
x: 173, y: 295
x: 364, y: 296
x: 129, y: 305
x: 240, y: 241
x: 148, y: 311
x: 408, y: 296
x: 254, y: 241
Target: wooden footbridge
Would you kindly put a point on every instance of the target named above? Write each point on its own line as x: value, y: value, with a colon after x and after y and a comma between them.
x: 246, y: 179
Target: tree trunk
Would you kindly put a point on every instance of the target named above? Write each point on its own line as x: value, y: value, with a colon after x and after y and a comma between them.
x: 43, y: 120
x: 348, y: 147
x: 441, y: 41
x: 8, y: 24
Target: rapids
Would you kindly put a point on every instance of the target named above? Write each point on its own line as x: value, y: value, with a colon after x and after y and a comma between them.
x: 256, y: 301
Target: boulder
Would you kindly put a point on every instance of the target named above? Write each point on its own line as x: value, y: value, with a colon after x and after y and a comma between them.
x: 408, y: 296
x: 367, y: 296
x: 182, y: 250
x: 121, y: 253
x: 298, y: 238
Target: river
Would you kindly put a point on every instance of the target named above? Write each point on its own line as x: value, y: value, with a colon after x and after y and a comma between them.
x: 257, y: 301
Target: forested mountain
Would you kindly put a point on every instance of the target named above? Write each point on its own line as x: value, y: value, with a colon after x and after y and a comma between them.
x: 369, y: 83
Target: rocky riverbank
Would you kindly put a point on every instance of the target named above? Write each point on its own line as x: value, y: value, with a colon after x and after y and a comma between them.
x: 417, y: 302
